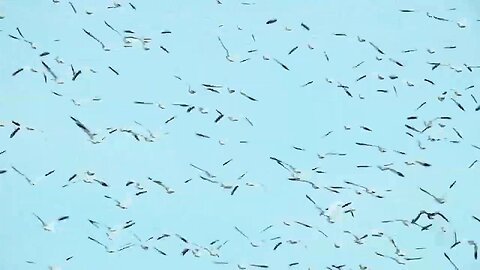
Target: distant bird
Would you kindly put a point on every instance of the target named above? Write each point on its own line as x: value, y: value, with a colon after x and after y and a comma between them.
x: 90, y: 134
x: 110, y: 250
x: 121, y: 204
x: 50, y: 226
x: 160, y: 183
x: 33, y: 182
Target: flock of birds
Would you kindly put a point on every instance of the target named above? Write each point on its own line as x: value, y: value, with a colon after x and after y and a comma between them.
x: 337, y: 194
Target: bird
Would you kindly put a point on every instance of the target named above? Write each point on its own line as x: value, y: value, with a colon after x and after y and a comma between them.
x: 437, y: 199
x: 121, y: 204
x: 108, y: 249
x: 50, y: 226
x: 79, y: 124
x: 160, y: 183
x: 33, y: 182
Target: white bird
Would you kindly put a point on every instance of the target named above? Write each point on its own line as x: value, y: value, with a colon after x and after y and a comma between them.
x: 440, y: 200
x: 82, y: 101
x: 29, y: 180
x: 167, y: 189
x: 143, y: 244
x: 334, y: 212
x: 88, y: 177
x: 121, y: 204
x: 50, y: 226
x: 108, y: 249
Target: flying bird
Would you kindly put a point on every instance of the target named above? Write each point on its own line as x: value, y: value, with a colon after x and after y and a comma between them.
x: 50, y: 226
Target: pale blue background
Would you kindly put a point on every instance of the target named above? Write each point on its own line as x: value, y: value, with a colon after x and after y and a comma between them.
x: 285, y: 115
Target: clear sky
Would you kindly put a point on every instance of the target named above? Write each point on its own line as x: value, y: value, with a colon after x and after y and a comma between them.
x: 174, y: 50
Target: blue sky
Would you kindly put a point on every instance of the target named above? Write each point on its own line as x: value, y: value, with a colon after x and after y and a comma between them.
x: 284, y: 115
